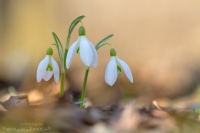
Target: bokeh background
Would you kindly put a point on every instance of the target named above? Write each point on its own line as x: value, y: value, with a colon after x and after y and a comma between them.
x: 159, y: 40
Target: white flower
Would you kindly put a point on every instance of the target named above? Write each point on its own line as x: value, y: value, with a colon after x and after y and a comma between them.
x: 47, y: 67
x: 115, y: 65
x: 85, y: 48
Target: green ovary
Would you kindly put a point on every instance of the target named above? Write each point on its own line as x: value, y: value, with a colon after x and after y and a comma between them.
x: 49, y: 68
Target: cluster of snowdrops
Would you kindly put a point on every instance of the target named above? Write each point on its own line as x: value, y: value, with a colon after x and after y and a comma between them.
x: 88, y: 55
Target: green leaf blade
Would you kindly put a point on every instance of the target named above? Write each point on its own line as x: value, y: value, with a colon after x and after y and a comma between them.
x: 80, y: 102
x: 58, y: 45
x: 75, y: 22
x: 103, y: 41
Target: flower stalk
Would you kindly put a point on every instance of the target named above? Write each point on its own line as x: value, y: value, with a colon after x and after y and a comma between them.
x: 62, y: 82
x: 84, y: 86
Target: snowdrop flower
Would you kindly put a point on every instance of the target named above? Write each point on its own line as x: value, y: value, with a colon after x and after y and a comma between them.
x: 115, y: 66
x: 47, y: 67
x: 85, y: 48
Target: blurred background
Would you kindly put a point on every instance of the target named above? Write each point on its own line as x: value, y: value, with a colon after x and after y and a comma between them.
x: 159, y: 40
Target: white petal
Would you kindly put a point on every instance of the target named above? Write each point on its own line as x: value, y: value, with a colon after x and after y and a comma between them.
x: 95, y: 57
x: 111, y: 71
x: 47, y: 75
x: 126, y: 69
x: 86, y: 51
x: 42, y: 68
x: 71, y: 52
x: 56, y: 70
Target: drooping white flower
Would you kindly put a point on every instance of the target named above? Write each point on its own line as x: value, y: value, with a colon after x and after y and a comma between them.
x: 85, y: 48
x: 48, y: 67
x: 115, y: 66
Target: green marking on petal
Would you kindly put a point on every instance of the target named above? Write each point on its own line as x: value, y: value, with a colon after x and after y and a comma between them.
x: 77, y: 50
x: 119, y: 69
x: 49, y: 68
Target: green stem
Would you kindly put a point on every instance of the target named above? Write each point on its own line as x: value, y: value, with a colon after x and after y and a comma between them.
x: 65, y: 56
x: 66, y: 49
x: 62, y: 84
x: 84, y: 86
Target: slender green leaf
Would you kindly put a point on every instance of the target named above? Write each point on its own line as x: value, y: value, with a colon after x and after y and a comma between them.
x: 103, y: 41
x: 80, y: 102
x: 58, y: 40
x: 58, y: 45
x: 74, y: 23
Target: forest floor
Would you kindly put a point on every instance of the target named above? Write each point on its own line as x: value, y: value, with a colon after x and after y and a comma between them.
x: 63, y: 116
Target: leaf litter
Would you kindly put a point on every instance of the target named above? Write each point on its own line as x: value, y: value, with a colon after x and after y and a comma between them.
x: 62, y: 116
